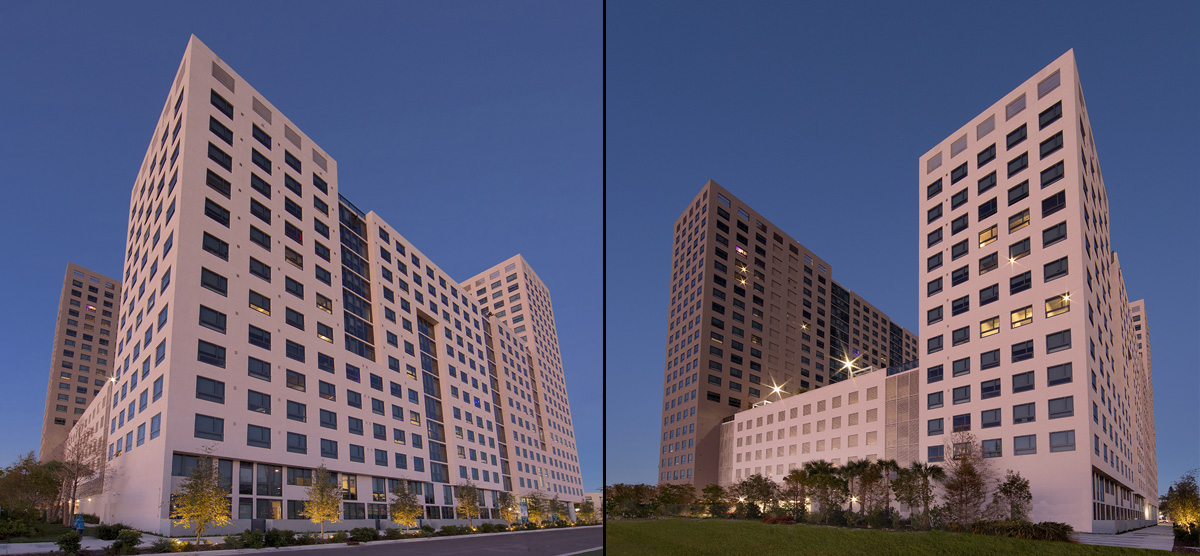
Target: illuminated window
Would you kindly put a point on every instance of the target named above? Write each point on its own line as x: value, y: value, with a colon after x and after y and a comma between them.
x: 1022, y: 316
x: 260, y: 303
x: 987, y: 236
x: 987, y: 327
x: 1018, y: 221
x: 1058, y: 305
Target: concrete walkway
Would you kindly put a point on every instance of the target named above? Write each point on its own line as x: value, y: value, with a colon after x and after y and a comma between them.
x: 1159, y: 537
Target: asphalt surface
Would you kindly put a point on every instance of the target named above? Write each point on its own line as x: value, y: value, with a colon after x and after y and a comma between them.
x: 554, y: 542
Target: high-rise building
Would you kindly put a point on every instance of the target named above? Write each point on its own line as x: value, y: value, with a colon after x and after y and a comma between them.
x: 1029, y: 338
x: 753, y: 314
x: 512, y: 294
x: 270, y: 323
x: 84, y: 349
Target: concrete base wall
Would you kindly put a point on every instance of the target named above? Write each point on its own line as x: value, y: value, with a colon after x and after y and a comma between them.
x: 1114, y: 526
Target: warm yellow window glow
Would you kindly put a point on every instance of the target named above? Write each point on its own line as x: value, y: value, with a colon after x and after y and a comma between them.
x: 1018, y: 221
x: 1058, y: 305
x: 989, y: 326
x: 1022, y: 316
x: 987, y: 236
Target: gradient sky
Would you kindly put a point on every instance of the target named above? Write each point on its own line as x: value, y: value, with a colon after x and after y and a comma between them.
x: 474, y: 128
x: 815, y: 115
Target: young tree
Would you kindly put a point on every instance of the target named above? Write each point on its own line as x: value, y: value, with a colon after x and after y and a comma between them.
x: 713, y: 497
x: 201, y: 498
x: 556, y: 509
x: 28, y: 485
x: 1012, y: 499
x: 535, y: 506
x: 671, y: 499
x: 80, y: 461
x: 324, y: 498
x: 966, y: 482
x: 925, y: 473
x: 406, y: 508
x: 510, y: 511
x: 887, y: 467
x: 795, y: 490
x: 854, y: 472
x: 1182, y: 501
x: 466, y: 494
x: 758, y: 490
x: 587, y: 512
x: 907, y: 487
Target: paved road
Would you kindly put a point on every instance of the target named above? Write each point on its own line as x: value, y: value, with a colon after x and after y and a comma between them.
x: 1159, y: 537
x: 554, y: 542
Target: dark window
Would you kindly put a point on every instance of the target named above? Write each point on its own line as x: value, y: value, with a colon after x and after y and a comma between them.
x: 986, y: 155
x: 989, y: 294
x: 1061, y: 407
x: 261, y: 161
x: 987, y: 182
x: 260, y: 269
x: 212, y: 319
x: 1054, y: 234
x: 320, y: 184
x: 258, y: 436
x: 292, y: 161
x: 1020, y: 283
x: 1058, y: 374
x: 223, y: 105
x: 960, y: 275
x: 220, y: 157
x: 260, y: 237
x: 258, y: 402
x: 960, y: 305
x: 934, y: 344
x: 1022, y: 351
x: 958, y: 173
x: 294, y: 318
x: 1053, y: 174
x: 258, y: 368
x: 1051, y: 145
x: 987, y: 209
x: 989, y: 359
x: 261, y: 136
x: 216, y: 212
x: 1017, y: 164
x: 961, y: 366
x: 1055, y: 269
x: 934, y: 261
x: 297, y: 411
x: 1058, y: 341
x: 933, y: 189
x: 934, y: 286
x: 960, y: 336
x: 293, y: 186
x: 931, y: 215
x: 1016, y: 136
x: 328, y: 419
x: 959, y: 224
x: 1022, y: 382
x: 211, y: 354
x: 989, y: 389
x: 220, y: 130
x: 292, y: 208
x: 219, y: 184
x: 935, y: 427
x: 260, y: 303
x: 211, y: 428
x: 933, y: 315
x: 958, y: 250
x: 1018, y: 192
x: 260, y: 211
x: 259, y: 337
x: 210, y: 390
x: 958, y: 199
x: 1050, y: 115
x: 216, y: 246
x: 1024, y: 445
x: 293, y: 233
x: 294, y: 351
x: 296, y: 444
x: 329, y: 449
x: 962, y: 423
x: 992, y: 447
x: 1062, y: 441
x: 934, y: 400
x: 988, y: 263
x: 1024, y: 413
x: 1054, y: 203
x: 293, y: 287
x: 1018, y: 249
x: 259, y: 185
x: 212, y: 281
x: 934, y: 374
x: 933, y: 238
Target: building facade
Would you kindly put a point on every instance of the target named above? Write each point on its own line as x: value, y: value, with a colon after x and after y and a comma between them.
x: 1029, y: 342
x: 512, y: 294
x: 270, y: 323
x: 752, y: 314
x: 84, y: 349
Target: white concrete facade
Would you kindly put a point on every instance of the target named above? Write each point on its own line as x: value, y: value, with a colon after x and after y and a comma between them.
x: 250, y: 282
x: 1025, y: 321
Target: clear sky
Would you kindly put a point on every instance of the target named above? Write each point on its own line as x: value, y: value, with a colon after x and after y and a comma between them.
x: 474, y: 128
x: 814, y: 113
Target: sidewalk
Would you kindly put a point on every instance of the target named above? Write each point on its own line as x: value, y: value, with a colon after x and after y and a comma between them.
x: 1159, y: 537
x: 92, y: 543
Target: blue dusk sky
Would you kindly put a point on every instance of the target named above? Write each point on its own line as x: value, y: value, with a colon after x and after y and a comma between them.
x: 474, y: 128
x: 815, y: 114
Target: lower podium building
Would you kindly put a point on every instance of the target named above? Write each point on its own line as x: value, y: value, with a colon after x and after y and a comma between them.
x: 268, y: 322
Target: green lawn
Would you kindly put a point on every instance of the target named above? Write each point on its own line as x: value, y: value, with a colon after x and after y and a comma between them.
x: 686, y: 537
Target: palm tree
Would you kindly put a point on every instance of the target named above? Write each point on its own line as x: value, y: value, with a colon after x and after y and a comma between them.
x: 827, y: 485
x: 927, y: 472
x: 856, y: 470
x: 796, y: 483
x: 887, y: 467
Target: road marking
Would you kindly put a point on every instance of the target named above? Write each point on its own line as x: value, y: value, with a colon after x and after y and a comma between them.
x: 601, y: 547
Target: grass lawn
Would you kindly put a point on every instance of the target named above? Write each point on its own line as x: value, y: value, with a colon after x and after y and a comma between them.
x: 49, y: 532
x: 686, y: 537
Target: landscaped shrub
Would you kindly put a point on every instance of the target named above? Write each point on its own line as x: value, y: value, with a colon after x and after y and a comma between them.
x: 364, y: 534
x: 1045, y: 531
x: 340, y: 536
x: 880, y: 519
x: 127, y: 541
x: 253, y: 538
x: 448, y: 530
x: 69, y: 542
x: 164, y: 545
x: 392, y: 533
x: 110, y: 532
x: 91, y: 518
x: 279, y: 538
x: 308, y: 538
x: 1187, y: 536
x: 10, y: 528
x: 234, y: 541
